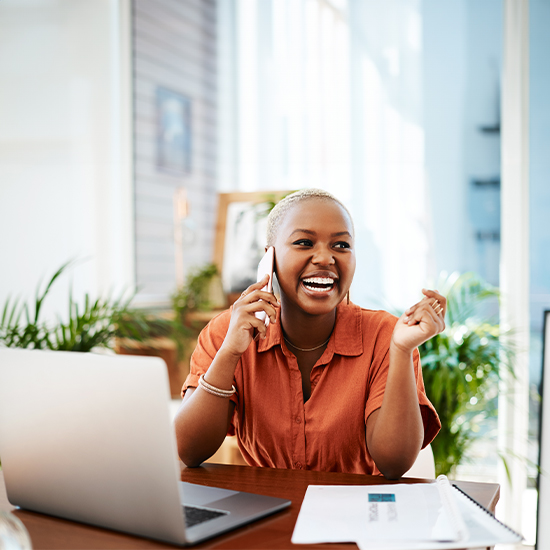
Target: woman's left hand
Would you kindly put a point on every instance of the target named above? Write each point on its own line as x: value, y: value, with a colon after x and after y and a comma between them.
x: 420, y: 322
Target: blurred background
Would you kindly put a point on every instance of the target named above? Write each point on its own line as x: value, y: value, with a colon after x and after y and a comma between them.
x: 122, y: 121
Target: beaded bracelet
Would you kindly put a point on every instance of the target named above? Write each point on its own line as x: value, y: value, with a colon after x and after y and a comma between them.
x: 213, y: 390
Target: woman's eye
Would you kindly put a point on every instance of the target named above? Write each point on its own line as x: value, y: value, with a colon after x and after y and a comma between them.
x: 303, y: 242
x: 342, y: 244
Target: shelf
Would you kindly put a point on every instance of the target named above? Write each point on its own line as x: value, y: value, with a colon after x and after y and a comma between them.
x: 490, y: 128
x: 489, y: 182
x: 493, y: 236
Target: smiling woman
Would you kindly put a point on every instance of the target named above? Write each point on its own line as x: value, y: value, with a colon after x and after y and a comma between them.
x: 327, y: 385
x: 315, y: 261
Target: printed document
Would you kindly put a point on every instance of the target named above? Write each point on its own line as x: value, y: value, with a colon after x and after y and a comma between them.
x: 412, y: 516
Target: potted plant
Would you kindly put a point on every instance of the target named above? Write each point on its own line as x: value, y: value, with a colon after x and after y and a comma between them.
x: 89, y: 324
x: 462, y: 367
x: 194, y: 304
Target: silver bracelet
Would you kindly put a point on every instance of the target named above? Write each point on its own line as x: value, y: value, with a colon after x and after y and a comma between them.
x: 214, y: 390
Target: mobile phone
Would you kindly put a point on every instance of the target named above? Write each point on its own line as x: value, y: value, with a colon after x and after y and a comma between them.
x: 266, y: 267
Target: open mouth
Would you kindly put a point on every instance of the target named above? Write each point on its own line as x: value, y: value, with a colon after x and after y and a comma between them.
x: 319, y: 284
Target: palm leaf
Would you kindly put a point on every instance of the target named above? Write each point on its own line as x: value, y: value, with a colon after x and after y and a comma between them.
x: 462, y: 366
x: 40, y: 297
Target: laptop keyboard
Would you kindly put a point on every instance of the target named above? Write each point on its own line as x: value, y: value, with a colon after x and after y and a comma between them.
x: 194, y: 515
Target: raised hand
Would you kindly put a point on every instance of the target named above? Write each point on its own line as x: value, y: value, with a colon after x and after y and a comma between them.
x: 243, y: 321
x: 420, y: 322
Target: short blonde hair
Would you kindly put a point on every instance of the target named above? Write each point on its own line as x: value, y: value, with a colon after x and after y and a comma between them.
x: 285, y: 205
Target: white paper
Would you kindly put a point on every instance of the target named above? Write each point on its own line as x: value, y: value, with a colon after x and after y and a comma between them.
x: 482, y: 531
x: 417, y: 516
x: 413, y: 512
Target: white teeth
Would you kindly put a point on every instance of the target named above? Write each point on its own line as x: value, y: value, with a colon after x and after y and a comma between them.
x: 317, y: 289
x: 319, y: 280
x: 326, y: 282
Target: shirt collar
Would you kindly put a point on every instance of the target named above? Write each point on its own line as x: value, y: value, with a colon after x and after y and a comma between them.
x: 346, y: 338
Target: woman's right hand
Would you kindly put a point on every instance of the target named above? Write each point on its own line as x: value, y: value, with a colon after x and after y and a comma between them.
x: 243, y: 321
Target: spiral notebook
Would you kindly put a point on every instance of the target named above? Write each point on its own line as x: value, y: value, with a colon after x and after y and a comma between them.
x: 427, y: 516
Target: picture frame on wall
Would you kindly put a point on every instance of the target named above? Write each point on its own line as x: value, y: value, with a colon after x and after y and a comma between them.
x: 240, y: 237
x: 174, y: 137
x: 543, y: 482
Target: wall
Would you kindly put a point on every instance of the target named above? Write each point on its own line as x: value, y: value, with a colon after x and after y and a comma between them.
x: 65, y: 190
x: 389, y: 200
x: 539, y: 190
x: 539, y: 135
x: 175, y: 48
x: 297, y: 65
x: 381, y: 103
x: 462, y: 43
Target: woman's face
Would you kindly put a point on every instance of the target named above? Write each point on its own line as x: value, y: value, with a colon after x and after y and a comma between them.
x: 315, y: 255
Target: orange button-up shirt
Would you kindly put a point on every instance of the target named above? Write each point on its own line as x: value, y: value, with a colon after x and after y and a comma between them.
x: 275, y: 428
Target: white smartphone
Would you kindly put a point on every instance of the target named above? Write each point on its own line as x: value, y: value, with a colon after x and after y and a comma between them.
x: 266, y: 267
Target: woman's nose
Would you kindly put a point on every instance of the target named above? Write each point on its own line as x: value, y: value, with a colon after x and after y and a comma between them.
x: 322, y: 255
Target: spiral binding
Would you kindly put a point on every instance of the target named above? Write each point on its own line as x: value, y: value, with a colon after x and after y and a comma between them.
x: 488, y: 512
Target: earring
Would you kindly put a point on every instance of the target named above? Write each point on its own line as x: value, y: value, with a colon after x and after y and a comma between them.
x: 347, y: 298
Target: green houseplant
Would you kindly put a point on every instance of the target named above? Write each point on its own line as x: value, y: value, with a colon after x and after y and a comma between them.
x: 462, y: 366
x: 90, y: 323
x: 201, y: 292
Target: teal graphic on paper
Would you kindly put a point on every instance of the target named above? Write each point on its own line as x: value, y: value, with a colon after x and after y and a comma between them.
x: 381, y: 497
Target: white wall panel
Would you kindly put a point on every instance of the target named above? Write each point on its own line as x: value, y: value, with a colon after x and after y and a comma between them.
x: 65, y: 146
x: 175, y: 48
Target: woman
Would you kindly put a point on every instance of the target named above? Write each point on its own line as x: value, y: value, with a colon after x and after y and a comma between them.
x: 327, y: 385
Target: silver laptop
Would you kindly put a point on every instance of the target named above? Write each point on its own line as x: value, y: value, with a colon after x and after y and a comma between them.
x: 89, y: 438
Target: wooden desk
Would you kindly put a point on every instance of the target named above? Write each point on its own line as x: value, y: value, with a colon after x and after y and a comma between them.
x: 273, y: 532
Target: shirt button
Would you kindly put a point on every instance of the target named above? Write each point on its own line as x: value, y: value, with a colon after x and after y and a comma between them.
x: 298, y: 465
x: 298, y: 420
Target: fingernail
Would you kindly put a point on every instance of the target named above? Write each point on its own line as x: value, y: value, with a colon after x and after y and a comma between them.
x: 405, y: 319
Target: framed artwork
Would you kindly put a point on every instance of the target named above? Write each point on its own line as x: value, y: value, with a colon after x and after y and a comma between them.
x: 543, y: 527
x: 173, y: 131
x: 240, y: 237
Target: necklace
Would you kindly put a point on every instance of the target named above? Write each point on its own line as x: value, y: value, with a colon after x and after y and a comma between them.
x: 308, y: 349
